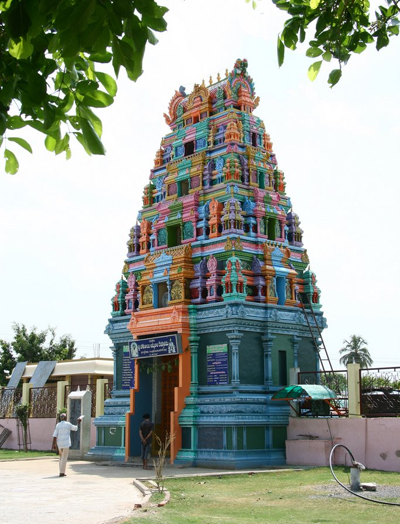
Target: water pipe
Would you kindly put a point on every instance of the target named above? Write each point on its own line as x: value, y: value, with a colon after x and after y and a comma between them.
x: 356, y: 466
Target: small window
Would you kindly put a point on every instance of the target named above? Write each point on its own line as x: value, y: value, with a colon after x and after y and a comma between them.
x: 188, y: 121
x: 174, y: 236
x: 271, y: 229
x: 184, y: 188
x: 162, y: 290
x: 254, y: 139
x: 282, y: 368
x: 189, y: 148
x: 261, y: 180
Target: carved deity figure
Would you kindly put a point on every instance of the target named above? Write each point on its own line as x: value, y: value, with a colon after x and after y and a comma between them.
x: 148, y: 296
x: 212, y: 264
x: 288, y: 290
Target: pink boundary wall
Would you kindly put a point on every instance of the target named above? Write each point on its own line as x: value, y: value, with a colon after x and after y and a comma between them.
x: 374, y: 442
x: 41, y: 430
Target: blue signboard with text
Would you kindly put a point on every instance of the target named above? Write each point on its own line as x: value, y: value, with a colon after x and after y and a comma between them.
x: 155, y: 347
x: 128, y: 369
x: 217, y: 365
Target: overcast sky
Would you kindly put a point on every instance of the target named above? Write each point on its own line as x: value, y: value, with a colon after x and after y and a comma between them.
x: 65, y: 224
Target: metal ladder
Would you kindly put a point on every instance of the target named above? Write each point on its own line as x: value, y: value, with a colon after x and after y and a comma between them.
x: 325, y: 361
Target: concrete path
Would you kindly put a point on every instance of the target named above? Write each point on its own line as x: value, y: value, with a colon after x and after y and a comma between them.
x: 31, y: 492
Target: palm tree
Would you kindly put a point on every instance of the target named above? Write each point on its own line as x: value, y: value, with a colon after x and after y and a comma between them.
x: 355, y: 351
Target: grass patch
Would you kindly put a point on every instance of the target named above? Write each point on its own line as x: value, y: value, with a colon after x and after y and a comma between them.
x: 301, y: 497
x: 157, y: 497
x: 11, y: 454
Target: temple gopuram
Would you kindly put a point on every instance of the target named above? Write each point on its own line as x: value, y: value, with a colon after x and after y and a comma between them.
x: 207, y: 319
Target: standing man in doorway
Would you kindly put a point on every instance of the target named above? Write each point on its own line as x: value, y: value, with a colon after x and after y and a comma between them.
x: 62, y: 440
x: 145, y: 433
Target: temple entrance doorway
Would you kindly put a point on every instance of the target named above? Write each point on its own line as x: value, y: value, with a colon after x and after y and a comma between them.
x: 165, y: 380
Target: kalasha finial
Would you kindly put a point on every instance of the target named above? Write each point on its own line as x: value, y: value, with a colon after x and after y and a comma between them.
x: 226, y: 73
x: 211, y: 80
x: 218, y: 77
x: 203, y: 83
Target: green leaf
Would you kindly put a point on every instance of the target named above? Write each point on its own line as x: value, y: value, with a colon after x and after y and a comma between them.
x: 302, y: 34
x: 342, y: 5
x: 69, y: 43
x: 327, y: 56
x: 62, y: 145
x: 102, y: 57
x: 21, y: 142
x: 36, y: 88
x: 62, y: 80
x: 18, y: 20
x: 313, y: 52
x: 66, y: 104
x: 21, y: 49
x: 281, y: 52
x: 290, y: 38
x: 74, y: 121
x: 334, y: 77
x: 158, y: 24
x: 123, y: 8
x: 314, y: 3
x: 49, y: 115
x: 92, y: 139
x: 50, y: 143
x: 86, y: 86
x: 151, y: 8
x: 12, y: 164
x: 108, y: 82
x: 94, y: 119
x: 122, y: 56
x: 97, y: 99
x: 313, y: 70
x: 151, y: 37
x: 3, y: 124
x: 383, y: 39
x: 16, y: 122
x: 80, y: 14
x: 393, y: 29
x: 82, y: 141
x: 360, y: 48
x: 366, y: 37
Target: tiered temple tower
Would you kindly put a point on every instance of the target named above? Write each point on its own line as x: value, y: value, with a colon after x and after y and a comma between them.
x: 206, y: 320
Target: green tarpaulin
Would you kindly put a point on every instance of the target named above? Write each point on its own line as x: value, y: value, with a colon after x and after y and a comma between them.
x: 304, y: 391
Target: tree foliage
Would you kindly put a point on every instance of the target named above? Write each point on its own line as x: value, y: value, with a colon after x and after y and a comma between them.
x: 22, y: 413
x: 33, y: 346
x: 50, y: 52
x: 7, y: 361
x: 355, y: 351
x: 336, y: 29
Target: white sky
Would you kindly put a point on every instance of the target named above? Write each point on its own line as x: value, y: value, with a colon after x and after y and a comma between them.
x: 64, y: 224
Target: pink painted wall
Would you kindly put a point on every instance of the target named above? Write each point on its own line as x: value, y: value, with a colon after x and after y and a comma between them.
x: 41, y: 430
x: 371, y: 441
